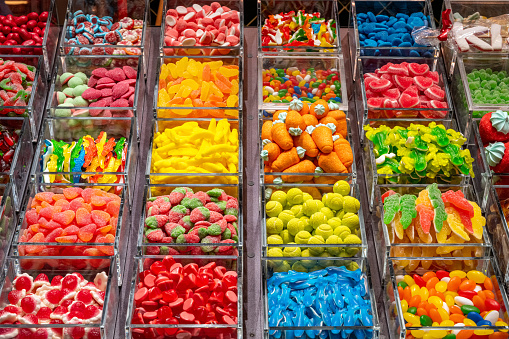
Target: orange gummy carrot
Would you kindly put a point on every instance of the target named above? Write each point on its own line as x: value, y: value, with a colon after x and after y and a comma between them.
x: 310, y: 120
x: 329, y: 120
x: 306, y: 141
x: 266, y: 130
x: 330, y: 163
x: 275, y: 116
x: 281, y: 136
x: 305, y: 166
x: 340, y: 117
x: 269, y: 179
x: 344, y: 151
x: 294, y: 120
x: 285, y: 160
x: 319, y: 108
x: 326, y: 180
x: 322, y: 136
x: 273, y: 151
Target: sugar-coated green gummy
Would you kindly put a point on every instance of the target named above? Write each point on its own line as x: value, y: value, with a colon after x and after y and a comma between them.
x: 488, y: 87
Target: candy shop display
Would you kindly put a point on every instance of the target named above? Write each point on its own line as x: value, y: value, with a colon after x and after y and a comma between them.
x: 24, y: 30
x: 193, y: 147
x: 85, y: 155
x: 69, y: 299
x: 16, y: 84
x: 189, y: 83
x: 295, y: 217
x: 188, y: 217
x: 331, y: 296
x: 299, y: 29
x: 8, y: 143
x: 112, y: 90
x: 307, y: 138
x: 494, y: 132
x: 90, y: 30
x: 172, y: 293
x: 488, y: 87
x: 458, y: 298
x: 420, y: 151
x: 202, y: 26
x: 75, y: 216
x: 282, y: 85
x: 393, y: 33
x: 405, y: 85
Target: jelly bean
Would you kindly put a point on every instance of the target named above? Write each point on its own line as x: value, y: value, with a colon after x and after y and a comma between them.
x: 457, y: 273
x: 407, y: 294
x: 444, y: 315
x: 492, y: 317
x: 491, y: 305
x: 467, y: 294
x: 457, y: 318
x: 431, y: 283
x: 424, y: 293
x: 402, y: 284
x: 421, y: 311
x: 466, y: 309
x: 477, y: 276
x: 415, y: 290
x: 404, y: 306
x: 474, y: 316
x: 449, y: 300
x: 454, y: 283
x: 441, y: 286
x: 464, y: 301
x: 419, y: 281
x: 436, y: 301
x: 412, y: 310
x: 450, y: 336
x: 425, y: 320
x: 467, y: 285
x: 488, y: 285
x: 442, y: 274
x: 435, y: 315
x: 409, y: 280
x: 469, y: 322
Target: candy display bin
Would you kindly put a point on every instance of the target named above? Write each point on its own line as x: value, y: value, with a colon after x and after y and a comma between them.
x: 101, y: 328
x: 308, y: 177
x: 391, y: 246
x: 137, y: 10
x: 205, y: 170
x: 400, y: 328
x: 71, y: 130
x: 140, y: 322
x: 75, y: 106
x: 169, y: 98
x: 302, y: 65
x: 166, y: 44
x: 8, y: 218
x: 353, y: 275
x: 231, y: 240
x: 353, y: 237
x: 113, y: 245
x: 328, y: 10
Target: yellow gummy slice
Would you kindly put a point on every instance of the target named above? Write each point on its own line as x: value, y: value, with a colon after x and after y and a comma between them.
x: 232, y: 101
x: 229, y: 72
x: 442, y: 235
x: 173, y: 89
x: 163, y: 99
x: 478, y: 221
x: 402, y: 252
x: 173, y: 70
x: 184, y: 92
x: 193, y: 68
x: 235, y: 87
x: 214, y: 90
x: 454, y: 221
x: 182, y: 66
x: 191, y: 84
x: 187, y: 75
x: 205, y: 89
x: 413, y: 264
x: 410, y: 232
x: 215, y: 64
x: 164, y: 72
x: 397, y: 226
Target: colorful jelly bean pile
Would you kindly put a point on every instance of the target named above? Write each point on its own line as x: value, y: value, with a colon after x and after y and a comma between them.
x: 283, y: 85
x: 208, y: 25
x: 66, y: 300
x: 294, y: 217
x: 8, y: 143
x: 405, y: 85
x: 299, y: 29
x: 454, y: 299
x: 189, y: 148
x: 171, y: 293
x: 334, y: 296
x: 26, y: 30
x: 455, y: 219
x: 85, y: 155
x: 488, y: 87
x: 304, y: 135
x: 15, y: 86
x: 75, y: 216
x: 420, y: 151
x: 185, y: 217
x: 385, y: 31
x: 90, y: 29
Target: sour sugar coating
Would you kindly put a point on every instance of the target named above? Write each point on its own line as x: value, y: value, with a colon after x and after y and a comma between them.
x: 435, y: 196
x: 15, y: 86
x: 392, y: 205
x: 408, y: 211
x: 488, y: 87
x: 425, y: 209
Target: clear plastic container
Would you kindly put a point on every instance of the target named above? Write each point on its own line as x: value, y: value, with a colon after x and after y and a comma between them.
x: 8, y: 219
x: 271, y: 267
x: 87, y: 64
x: 70, y: 130
x: 328, y: 10
x: 60, y: 266
x: 497, y: 225
x: 212, y: 175
x: 213, y: 50
x: 155, y: 248
x: 301, y: 63
x: 163, y: 108
x: 205, y: 331
x: 342, y: 250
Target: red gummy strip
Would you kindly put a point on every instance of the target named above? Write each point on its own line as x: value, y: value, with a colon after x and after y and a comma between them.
x: 466, y: 220
x: 458, y: 200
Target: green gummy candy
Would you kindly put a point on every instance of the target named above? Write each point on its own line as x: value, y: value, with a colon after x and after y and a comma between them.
x: 420, y: 160
x: 454, y: 152
x: 379, y: 143
x: 214, y: 229
x: 202, y: 232
x: 227, y: 234
x: 419, y: 144
x: 216, y: 192
x: 151, y: 222
x: 441, y: 135
x: 391, y: 207
x: 407, y: 208
x: 178, y: 230
x: 435, y: 196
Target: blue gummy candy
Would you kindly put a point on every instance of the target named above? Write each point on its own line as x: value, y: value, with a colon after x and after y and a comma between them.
x: 427, y: 54
x: 362, y: 36
x: 414, y: 53
x: 372, y: 35
x: 402, y: 15
x: 405, y: 44
x: 400, y: 30
x: 369, y: 27
x: 385, y: 44
x: 382, y: 17
x: 396, y: 42
x: 399, y: 24
x: 392, y: 21
x: 406, y: 38
x: 395, y: 52
x: 417, y: 15
x: 370, y: 43
x: 362, y: 16
x: 371, y: 17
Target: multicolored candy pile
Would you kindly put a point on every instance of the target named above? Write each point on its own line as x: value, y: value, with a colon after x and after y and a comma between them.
x: 299, y: 29
x: 66, y: 300
x: 284, y: 84
x: 451, y: 299
x: 90, y: 29
x: 420, y: 151
x: 75, y: 216
x: 171, y: 293
x: 15, y: 86
x: 295, y: 218
x: 185, y: 217
x: 306, y: 139
x: 85, y: 155
x: 8, y: 143
x: 26, y: 30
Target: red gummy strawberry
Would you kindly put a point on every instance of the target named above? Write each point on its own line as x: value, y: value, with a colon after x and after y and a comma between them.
x: 169, y: 227
x: 154, y: 210
x: 212, y: 206
x: 214, y: 217
x: 165, y: 207
x: 204, y: 197
x: 155, y: 235
x: 490, y: 134
x: 191, y: 238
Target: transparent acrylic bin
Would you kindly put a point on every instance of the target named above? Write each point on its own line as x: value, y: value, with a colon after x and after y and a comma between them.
x: 497, y: 225
x: 153, y: 191
x: 391, y: 8
x: 317, y: 191
x: 322, y: 63
x: 34, y: 109
x: 169, y: 50
x: 328, y: 9
x: 203, y: 331
x: 270, y: 267
x: 205, y: 111
x: 8, y: 219
x: 397, y: 326
x: 60, y: 266
x: 389, y: 248
x: 183, y: 176
x: 70, y: 130
x: 88, y: 64
x: 47, y: 47
x: 370, y: 64
x: 310, y: 178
